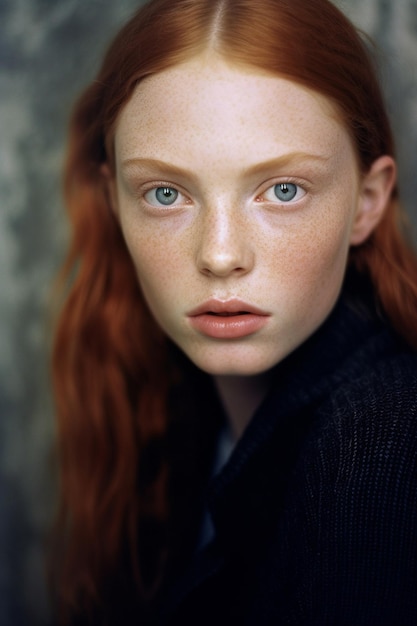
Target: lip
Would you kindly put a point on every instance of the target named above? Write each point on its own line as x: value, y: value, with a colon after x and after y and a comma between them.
x: 230, y: 319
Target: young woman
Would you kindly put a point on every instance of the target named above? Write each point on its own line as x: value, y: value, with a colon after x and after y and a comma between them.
x: 234, y: 364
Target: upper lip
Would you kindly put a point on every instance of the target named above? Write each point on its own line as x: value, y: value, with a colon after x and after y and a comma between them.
x: 226, y: 307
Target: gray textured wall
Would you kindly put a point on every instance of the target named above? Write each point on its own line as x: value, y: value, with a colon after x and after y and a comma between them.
x: 48, y: 50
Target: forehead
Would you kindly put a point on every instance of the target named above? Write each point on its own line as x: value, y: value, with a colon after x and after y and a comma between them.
x: 208, y: 103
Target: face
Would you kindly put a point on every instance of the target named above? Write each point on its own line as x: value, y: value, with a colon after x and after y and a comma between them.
x: 237, y: 194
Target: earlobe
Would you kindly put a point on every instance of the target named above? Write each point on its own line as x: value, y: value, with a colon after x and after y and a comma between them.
x: 375, y: 193
x: 110, y: 188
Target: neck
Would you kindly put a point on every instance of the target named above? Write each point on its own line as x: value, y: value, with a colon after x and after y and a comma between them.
x: 241, y: 396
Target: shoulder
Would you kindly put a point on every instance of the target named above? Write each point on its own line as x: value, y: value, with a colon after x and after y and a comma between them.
x: 358, y: 496
x: 374, y: 410
x: 381, y: 400
x: 362, y: 450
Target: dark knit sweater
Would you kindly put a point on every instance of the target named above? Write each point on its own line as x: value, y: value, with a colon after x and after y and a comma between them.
x: 315, y: 513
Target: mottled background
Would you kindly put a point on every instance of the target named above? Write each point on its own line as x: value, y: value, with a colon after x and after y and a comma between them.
x: 48, y: 50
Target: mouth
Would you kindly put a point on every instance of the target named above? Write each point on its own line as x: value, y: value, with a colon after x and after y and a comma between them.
x: 227, y: 308
x: 232, y: 319
x: 227, y: 314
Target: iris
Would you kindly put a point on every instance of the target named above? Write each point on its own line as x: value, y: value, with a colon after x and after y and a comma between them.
x: 166, y: 195
x: 285, y: 191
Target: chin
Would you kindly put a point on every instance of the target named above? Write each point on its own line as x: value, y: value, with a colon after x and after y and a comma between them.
x: 244, y: 363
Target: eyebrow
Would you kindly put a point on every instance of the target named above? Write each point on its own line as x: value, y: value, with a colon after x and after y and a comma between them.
x: 155, y: 164
x: 275, y: 163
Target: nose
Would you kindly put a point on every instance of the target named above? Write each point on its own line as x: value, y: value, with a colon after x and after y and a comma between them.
x: 223, y: 244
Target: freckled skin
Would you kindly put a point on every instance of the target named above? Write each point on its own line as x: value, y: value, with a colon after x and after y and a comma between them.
x: 223, y: 237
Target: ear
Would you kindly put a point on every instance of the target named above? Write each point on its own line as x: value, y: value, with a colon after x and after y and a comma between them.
x: 110, y: 188
x: 374, y: 195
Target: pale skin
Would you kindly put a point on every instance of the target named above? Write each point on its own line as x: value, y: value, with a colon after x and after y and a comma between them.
x: 230, y: 184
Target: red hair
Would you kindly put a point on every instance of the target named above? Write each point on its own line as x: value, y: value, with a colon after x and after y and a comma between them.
x: 110, y: 369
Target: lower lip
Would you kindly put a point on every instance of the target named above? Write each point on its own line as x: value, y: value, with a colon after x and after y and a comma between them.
x: 228, y: 327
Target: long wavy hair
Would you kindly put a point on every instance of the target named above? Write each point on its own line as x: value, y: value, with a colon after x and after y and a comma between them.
x: 110, y: 369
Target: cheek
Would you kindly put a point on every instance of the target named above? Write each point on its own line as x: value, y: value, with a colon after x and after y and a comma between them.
x: 324, y: 248
x: 312, y: 258
x: 149, y: 260
x: 158, y: 263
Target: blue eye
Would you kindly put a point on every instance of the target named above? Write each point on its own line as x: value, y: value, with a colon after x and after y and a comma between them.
x: 166, y: 195
x: 285, y: 191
